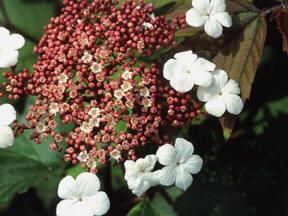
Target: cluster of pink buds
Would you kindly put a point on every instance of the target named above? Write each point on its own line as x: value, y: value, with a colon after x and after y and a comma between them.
x: 90, y: 75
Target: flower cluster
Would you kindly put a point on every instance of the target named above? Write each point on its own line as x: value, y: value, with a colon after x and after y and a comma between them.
x: 90, y: 76
x: 179, y: 163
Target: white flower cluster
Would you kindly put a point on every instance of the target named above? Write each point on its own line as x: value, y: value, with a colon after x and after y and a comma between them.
x: 179, y: 163
x: 186, y: 69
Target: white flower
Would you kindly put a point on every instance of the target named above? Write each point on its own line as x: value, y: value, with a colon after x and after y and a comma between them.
x: 139, y: 176
x: 144, y: 92
x: 86, y: 127
x: 53, y: 108
x: 9, y: 45
x: 96, y: 68
x: 83, y: 156
x: 147, y: 25
x: 211, y: 14
x: 94, y: 112
x: 116, y: 155
x: 222, y: 95
x: 63, y: 78
x: 87, y: 57
x: 186, y: 70
x: 127, y: 75
x: 82, y: 196
x: 179, y: 163
x: 119, y: 94
x: 7, y: 116
x: 126, y: 86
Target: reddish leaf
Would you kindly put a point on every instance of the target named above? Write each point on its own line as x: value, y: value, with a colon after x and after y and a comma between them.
x: 282, y: 23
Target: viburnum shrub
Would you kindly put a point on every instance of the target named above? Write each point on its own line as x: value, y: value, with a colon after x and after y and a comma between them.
x: 119, y: 76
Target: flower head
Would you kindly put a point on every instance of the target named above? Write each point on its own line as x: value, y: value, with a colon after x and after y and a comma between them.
x: 211, y: 14
x: 186, y: 70
x: 179, y: 163
x: 139, y: 175
x: 7, y: 116
x: 82, y: 196
x: 222, y: 95
x: 9, y: 45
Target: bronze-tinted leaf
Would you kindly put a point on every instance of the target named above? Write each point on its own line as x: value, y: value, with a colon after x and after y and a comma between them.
x: 282, y: 23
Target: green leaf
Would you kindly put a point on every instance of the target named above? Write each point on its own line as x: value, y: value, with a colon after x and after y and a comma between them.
x: 25, y: 165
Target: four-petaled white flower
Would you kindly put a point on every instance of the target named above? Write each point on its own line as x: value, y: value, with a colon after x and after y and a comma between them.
x: 222, y: 95
x: 211, y: 14
x: 179, y: 163
x: 186, y: 70
x: 7, y: 116
x: 82, y: 196
x: 139, y: 175
x: 9, y: 45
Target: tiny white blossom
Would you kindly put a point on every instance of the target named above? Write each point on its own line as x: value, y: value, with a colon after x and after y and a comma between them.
x: 127, y: 75
x: 94, y: 122
x: 94, y: 112
x: 146, y: 102
x: 83, y: 156
x: 9, y: 45
x: 7, y: 117
x: 63, y: 78
x: 119, y: 94
x: 126, y: 86
x: 139, y: 175
x: 222, y: 95
x: 147, y: 25
x: 86, y: 127
x: 186, y: 70
x: 212, y: 14
x: 40, y: 127
x: 96, y: 68
x: 91, y: 163
x: 116, y: 155
x: 53, y: 108
x: 144, y: 92
x: 87, y: 57
x: 179, y: 163
x: 82, y: 196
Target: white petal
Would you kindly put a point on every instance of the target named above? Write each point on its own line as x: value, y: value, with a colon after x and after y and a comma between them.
x: 213, y: 28
x: 16, y: 41
x: 203, y: 65
x: 67, y: 188
x: 6, y: 137
x: 234, y: 103
x: 193, y: 165
x: 195, y: 18
x: 185, y: 57
x: 202, y: 78
x: 183, y: 178
x: 8, y: 58
x: 166, y: 155
x: 184, y: 149
x: 99, y: 204
x: 88, y: 184
x: 232, y: 87
x: 7, y: 114
x: 183, y: 82
x: 154, y: 178
x: 220, y: 78
x: 150, y: 161
x: 170, y: 69
x: 223, y: 18
x: 217, y: 6
x: 216, y: 106
x: 168, y: 175
x: 139, y: 186
x: 4, y: 32
x: 207, y: 93
x: 65, y: 207
x: 201, y: 5
x: 130, y: 170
